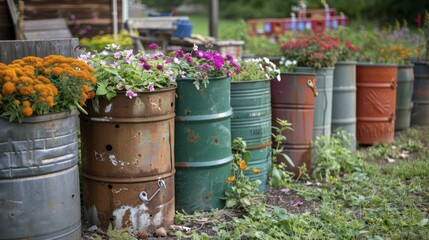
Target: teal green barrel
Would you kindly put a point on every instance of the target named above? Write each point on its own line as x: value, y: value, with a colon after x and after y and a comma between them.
x: 344, y: 100
x: 420, y: 111
x: 404, y: 94
x: 323, y: 102
x: 251, y: 120
x: 202, y: 144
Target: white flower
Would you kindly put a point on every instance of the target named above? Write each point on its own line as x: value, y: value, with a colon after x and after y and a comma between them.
x: 195, y: 48
x: 176, y: 60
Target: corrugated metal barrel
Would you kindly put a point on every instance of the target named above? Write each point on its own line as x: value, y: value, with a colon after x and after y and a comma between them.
x: 344, y: 100
x: 404, y: 94
x: 39, y: 178
x: 128, y: 160
x: 323, y: 102
x: 420, y: 111
x: 203, y: 144
x: 251, y: 120
x: 292, y: 99
x: 376, y: 102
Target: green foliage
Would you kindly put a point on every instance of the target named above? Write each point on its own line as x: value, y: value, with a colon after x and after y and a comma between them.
x: 256, y: 69
x: 99, y: 42
x: 116, y: 234
x: 242, y: 193
x: 262, y: 47
x: 332, y: 156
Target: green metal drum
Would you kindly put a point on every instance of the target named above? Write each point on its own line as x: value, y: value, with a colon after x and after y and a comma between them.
x: 251, y: 120
x: 403, y: 97
x: 202, y: 144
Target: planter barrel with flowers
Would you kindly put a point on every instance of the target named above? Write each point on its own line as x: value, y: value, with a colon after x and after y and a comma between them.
x: 251, y: 119
x: 128, y: 141
x: 203, y: 129
x: 317, y: 54
x: 39, y: 177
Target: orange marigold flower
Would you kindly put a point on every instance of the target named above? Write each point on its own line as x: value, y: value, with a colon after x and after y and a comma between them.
x: 242, y: 164
x: 50, y: 101
x: 416, y: 51
x: 230, y: 179
x: 57, y: 71
x: 47, y: 71
x: 43, y: 79
x: 8, y: 88
x: 16, y: 102
x: 91, y: 94
x: 27, y: 111
x: 26, y: 103
x: 256, y: 171
x: 85, y: 88
x: 26, y: 90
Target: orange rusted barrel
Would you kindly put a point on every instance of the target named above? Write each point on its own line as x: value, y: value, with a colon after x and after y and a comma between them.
x: 376, y: 102
x: 292, y: 99
x: 128, y: 161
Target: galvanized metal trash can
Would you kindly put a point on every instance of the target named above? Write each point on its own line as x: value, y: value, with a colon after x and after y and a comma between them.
x: 251, y: 120
x: 128, y: 160
x: 39, y: 178
x: 292, y: 99
x: 203, y: 144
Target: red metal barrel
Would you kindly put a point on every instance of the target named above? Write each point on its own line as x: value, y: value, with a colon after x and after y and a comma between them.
x: 376, y: 102
x: 292, y: 99
x: 128, y: 160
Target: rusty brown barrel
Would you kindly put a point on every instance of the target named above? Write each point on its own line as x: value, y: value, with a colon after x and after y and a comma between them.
x: 128, y: 160
x: 292, y: 99
x: 376, y: 102
x: 39, y: 178
x: 420, y: 111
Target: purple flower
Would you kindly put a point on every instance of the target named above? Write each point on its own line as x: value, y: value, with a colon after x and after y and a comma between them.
x: 159, y: 67
x: 142, y: 60
x: 188, y: 58
x: 229, y: 57
x: 153, y: 46
x: 208, y: 55
x: 146, y: 66
x: 233, y: 63
x: 130, y: 94
x: 168, y: 60
x: 206, y: 66
x: 180, y: 53
x: 151, y: 86
x: 228, y: 73
x: 117, y: 55
x: 218, y: 64
x: 237, y: 70
x: 199, y: 54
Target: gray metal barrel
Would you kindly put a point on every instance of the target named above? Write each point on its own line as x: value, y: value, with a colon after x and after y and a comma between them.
x: 344, y: 100
x: 420, y: 111
x: 39, y: 178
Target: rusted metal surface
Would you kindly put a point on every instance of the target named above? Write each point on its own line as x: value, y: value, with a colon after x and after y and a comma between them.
x: 344, y: 100
x: 127, y: 147
x: 292, y: 99
x: 203, y: 144
x: 376, y: 102
x: 420, y: 111
x: 251, y: 121
x: 39, y: 180
x: 404, y: 94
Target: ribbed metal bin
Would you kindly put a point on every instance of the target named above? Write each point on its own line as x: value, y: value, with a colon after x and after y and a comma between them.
x: 376, y: 102
x: 344, y: 100
x: 39, y: 179
x: 420, y: 111
x: 203, y: 144
x: 128, y: 160
x: 251, y: 120
x: 404, y: 94
x: 292, y: 99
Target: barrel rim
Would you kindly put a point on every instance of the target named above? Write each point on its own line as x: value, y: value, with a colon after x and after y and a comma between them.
x: 346, y: 62
x: 46, y: 117
x: 298, y: 73
x: 410, y: 65
x: 251, y: 81
x: 199, y: 79
x: 157, y: 90
x: 370, y: 64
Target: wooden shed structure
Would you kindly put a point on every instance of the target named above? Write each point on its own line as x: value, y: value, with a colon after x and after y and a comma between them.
x: 84, y: 18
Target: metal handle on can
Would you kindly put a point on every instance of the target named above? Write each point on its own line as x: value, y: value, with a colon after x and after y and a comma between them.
x: 161, y: 186
x: 313, y: 87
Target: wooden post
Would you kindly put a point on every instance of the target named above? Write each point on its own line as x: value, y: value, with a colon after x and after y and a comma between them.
x: 213, y: 18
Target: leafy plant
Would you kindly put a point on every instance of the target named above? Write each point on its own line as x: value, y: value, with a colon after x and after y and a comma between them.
x: 279, y: 176
x: 262, y: 46
x: 99, y: 42
x: 332, y: 157
x: 36, y: 86
x: 242, y: 192
x: 256, y: 69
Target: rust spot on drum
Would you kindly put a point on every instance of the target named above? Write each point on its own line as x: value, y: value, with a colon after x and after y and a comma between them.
x: 208, y: 196
x: 215, y: 139
x: 181, y: 164
x: 192, y: 137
